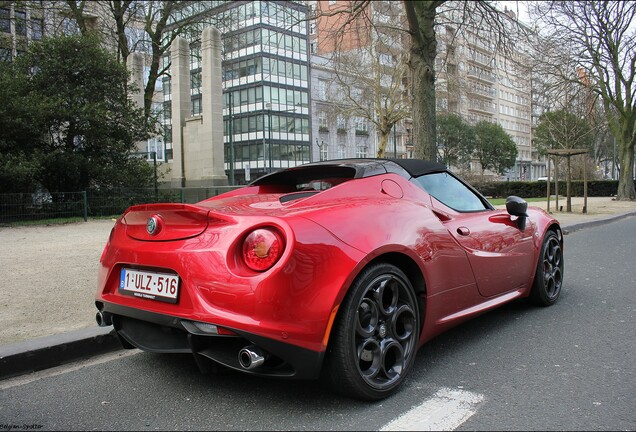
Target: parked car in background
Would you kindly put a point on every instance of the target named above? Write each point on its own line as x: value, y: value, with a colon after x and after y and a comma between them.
x: 339, y: 269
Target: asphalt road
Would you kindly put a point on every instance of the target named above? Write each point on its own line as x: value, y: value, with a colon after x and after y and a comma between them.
x: 567, y: 367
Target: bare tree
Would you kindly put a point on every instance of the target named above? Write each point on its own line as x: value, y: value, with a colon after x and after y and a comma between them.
x: 133, y: 25
x: 598, y: 39
x: 420, y: 28
x: 564, y: 130
x: 369, y: 79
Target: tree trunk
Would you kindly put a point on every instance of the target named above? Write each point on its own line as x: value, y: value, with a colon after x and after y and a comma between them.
x: 119, y: 11
x: 568, y: 185
x: 149, y: 91
x: 421, y: 15
x: 626, y: 191
x: 384, y: 139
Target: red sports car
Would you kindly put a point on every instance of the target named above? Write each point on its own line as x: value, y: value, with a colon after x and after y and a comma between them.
x: 342, y: 267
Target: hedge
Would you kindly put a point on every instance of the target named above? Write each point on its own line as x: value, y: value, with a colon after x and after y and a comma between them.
x: 537, y: 189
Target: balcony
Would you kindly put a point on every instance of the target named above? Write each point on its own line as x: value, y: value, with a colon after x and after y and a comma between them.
x: 490, y: 93
x: 481, y: 61
x: 481, y: 107
x: 481, y: 75
x: 475, y: 43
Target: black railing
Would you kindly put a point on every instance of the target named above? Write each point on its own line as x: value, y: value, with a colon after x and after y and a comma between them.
x: 42, y: 206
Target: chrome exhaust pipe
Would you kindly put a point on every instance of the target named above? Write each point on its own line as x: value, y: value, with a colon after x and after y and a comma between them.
x: 104, y: 319
x: 251, y: 357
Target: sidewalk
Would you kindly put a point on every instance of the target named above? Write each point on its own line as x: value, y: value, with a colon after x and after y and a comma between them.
x: 49, y: 276
x: 599, y: 210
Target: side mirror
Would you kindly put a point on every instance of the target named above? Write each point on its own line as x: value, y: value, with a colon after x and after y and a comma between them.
x: 518, y: 207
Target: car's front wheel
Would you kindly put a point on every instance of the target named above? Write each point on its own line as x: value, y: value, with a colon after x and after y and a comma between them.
x: 374, y: 341
x: 548, y: 278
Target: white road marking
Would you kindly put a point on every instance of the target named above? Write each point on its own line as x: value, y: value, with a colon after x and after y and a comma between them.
x: 445, y: 411
x: 70, y: 367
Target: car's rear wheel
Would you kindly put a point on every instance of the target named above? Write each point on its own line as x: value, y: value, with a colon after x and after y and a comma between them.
x: 549, y: 275
x: 374, y: 341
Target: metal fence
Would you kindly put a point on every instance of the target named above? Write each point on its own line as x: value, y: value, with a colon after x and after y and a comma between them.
x: 42, y: 206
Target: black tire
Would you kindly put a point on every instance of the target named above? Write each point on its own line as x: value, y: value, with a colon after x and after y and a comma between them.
x: 374, y: 341
x: 548, y: 279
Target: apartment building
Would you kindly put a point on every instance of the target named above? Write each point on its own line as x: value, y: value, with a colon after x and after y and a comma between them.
x: 484, y: 82
x: 353, y: 68
x: 475, y: 79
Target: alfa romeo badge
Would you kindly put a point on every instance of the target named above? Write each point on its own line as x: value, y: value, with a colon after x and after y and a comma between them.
x: 152, y: 226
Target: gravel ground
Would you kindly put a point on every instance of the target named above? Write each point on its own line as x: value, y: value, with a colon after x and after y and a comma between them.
x: 49, y: 278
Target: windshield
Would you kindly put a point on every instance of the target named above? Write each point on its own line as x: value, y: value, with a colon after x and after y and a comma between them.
x: 451, y: 192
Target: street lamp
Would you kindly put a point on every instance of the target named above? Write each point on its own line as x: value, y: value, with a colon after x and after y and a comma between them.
x: 394, y: 141
x: 298, y: 153
x: 231, y: 131
x: 268, y: 106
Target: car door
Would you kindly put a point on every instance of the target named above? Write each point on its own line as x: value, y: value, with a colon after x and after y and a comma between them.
x: 500, y: 253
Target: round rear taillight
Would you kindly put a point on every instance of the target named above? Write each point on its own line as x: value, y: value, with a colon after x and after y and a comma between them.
x: 262, y: 248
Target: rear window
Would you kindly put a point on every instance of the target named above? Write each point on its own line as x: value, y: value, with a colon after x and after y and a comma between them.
x: 308, y: 179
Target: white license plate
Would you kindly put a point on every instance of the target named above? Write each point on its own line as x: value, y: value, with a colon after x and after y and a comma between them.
x: 150, y: 285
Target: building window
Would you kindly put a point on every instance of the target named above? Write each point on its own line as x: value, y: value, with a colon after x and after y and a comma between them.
x: 386, y: 60
x: 69, y: 26
x: 322, y: 122
x: 5, y: 20
x: 322, y: 89
x: 196, y: 105
x: 20, y: 23
x: 323, y: 151
x: 137, y: 40
x: 195, y: 81
x: 5, y: 54
x: 341, y: 124
x: 167, y: 134
x: 37, y: 28
x: 361, y: 126
x: 361, y: 152
x: 167, y: 88
x: 155, y: 145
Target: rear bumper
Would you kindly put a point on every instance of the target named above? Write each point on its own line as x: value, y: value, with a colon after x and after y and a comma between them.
x: 154, y: 332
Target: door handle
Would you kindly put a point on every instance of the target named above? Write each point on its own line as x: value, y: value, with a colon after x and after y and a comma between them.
x: 463, y: 231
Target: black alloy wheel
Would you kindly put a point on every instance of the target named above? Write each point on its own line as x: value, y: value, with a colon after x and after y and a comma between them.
x: 548, y: 279
x: 375, y: 339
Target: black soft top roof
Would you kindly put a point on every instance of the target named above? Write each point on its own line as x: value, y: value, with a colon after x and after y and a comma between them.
x: 418, y: 167
x: 351, y: 168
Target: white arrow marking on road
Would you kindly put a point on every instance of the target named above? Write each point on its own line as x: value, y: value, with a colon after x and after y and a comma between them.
x: 445, y: 411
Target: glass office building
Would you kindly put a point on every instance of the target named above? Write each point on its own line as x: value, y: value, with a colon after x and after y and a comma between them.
x: 265, y: 82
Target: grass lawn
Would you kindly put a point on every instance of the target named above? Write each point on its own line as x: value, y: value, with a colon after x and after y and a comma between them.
x: 502, y: 201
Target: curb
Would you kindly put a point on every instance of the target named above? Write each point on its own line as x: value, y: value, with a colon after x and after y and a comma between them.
x: 568, y: 229
x: 50, y: 351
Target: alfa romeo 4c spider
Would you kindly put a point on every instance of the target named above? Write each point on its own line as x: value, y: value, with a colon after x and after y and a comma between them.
x: 338, y: 270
